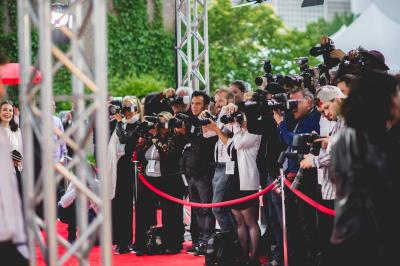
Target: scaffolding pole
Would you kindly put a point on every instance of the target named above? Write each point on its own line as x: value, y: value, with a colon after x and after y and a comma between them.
x: 89, y: 96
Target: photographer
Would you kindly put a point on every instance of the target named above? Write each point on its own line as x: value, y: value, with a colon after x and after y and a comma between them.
x: 159, y: 152
x: 13, y: 136
x: 365, y: 160
x: 197, y: 165
x: 246, y: 182
x: 301, y: 217
x: 330, y: 98
x: 222, y: 183
x: 346, y: 83
x: 238, y: 88
x: 120, y: 149
x: 13, y: 240
x: 169, y: 100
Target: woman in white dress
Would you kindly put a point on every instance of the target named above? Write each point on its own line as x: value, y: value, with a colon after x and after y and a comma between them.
x: 12, y: 131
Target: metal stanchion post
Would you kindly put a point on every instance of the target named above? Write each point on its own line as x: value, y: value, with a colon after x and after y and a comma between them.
x: 136, y: 181
x: 284, y: 230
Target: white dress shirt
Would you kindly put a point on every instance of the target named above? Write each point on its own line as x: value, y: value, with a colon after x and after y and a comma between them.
x: 247, y: 145
x: 221, y: 150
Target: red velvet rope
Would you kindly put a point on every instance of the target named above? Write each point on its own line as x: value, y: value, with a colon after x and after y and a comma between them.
x: 204, y: 205
x: 309, y: 200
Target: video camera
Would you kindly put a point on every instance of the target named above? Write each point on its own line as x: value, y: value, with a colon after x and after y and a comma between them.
x: 325, y: 51
x: 259, y: 99
x: 302, y: 144
x: 268, y: 77
x: 307, y: 73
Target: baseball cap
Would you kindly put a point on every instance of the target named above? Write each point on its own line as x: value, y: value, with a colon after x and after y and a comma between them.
x: 328, y: 93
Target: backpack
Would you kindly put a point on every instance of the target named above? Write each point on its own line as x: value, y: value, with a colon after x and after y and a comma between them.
x: 155, y: 241
x: 222, y: 250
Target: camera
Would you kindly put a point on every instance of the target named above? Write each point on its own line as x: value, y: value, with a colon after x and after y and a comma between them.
x: 230, y: 118
x: 260, y: 103
x: 268, y: 77
x: 175, y: 123
x: 114, y: 109
x: 176, y: 100
x: 154, y: 122
x: 196, y: 121
x: 306, y: 72
x: 324, y: 49
x: 303, y: 144
x: 146, y: 126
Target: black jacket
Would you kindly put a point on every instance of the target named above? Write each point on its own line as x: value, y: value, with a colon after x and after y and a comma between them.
x: 366, y: 168
x: 198, y: 155
x: 128, y: 136
x: 153, y: 104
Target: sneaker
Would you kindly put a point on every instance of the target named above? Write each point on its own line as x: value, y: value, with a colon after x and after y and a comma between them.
x: 140, y: 252
x: 131, y: 248
x: 171, y: 251
x: 121, y: 250
x: 193, y: 249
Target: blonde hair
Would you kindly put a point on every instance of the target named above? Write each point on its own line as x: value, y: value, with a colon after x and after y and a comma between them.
x: 133, y: 100
x: 166, y: 115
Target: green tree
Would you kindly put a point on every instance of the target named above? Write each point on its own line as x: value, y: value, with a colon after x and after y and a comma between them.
x: 240, y: 37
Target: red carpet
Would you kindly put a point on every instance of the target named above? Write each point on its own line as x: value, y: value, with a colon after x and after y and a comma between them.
x: 128, y: 259
x: 182, y: 259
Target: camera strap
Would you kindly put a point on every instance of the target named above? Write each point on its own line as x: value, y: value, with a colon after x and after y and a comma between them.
x: 230, y: 166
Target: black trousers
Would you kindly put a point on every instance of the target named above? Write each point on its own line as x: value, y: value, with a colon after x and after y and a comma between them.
x: 172, y: 213
x: 301, y: 221
x: 10, y: 255
x: 325, y: 225
x: 122, y: 204
x: 68, y: 216
x: 200, y: 190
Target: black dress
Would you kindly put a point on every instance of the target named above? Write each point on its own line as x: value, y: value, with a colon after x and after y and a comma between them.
x: 122, y: 204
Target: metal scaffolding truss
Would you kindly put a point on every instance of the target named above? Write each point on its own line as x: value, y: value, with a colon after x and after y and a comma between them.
x: 192, y: 44
x: 89, y: 96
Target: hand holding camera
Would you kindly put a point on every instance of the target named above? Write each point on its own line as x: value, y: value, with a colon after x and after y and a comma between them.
x: 229, y: 109
x: 307, y: 162
x: 323, y: 141
x: 118, y: 117
x: 168, y: 93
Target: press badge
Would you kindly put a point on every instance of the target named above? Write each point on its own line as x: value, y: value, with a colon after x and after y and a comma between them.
x: 230, y: 168
x: 151, y: 166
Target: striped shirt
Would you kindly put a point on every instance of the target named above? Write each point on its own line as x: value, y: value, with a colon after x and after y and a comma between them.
x: 323, y: 161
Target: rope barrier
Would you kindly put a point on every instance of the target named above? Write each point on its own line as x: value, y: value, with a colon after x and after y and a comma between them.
x: 309, y: 200
x: 204, y: 205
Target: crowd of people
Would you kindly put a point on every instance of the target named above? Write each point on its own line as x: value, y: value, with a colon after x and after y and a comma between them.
x: 334, y: 132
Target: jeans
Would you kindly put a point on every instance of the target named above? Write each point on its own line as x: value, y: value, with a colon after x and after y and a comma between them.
x: 222, y: 188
